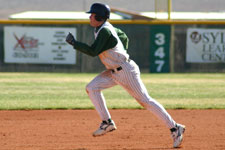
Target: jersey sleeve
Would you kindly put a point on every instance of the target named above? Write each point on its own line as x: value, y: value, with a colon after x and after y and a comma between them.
x: 123, y: 37
x: 104, y: 41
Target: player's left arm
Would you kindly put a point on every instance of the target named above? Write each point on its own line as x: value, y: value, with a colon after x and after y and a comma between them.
x: 104, y: 41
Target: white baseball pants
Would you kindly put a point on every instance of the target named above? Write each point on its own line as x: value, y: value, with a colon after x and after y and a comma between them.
x: 129, y: 79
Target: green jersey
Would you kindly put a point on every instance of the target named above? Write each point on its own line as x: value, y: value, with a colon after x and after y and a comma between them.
x: 104, y: 41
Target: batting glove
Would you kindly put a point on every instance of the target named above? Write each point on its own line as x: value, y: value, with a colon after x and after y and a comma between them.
x: 70, y: 39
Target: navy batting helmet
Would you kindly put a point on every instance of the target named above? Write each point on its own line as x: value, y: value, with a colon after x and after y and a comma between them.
x: 102, y: 11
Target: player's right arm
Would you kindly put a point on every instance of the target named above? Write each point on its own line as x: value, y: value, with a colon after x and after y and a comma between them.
x: 123, y: 38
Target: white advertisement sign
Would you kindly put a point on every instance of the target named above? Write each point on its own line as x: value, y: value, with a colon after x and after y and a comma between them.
x: 38, y: 45
x: 205, y: 45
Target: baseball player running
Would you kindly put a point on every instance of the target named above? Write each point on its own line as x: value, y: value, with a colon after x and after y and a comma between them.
x: 110, y: 45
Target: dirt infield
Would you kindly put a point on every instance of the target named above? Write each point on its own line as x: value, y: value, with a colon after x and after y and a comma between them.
x: 137, y: 130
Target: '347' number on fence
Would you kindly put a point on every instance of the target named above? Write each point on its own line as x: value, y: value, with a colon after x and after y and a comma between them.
x: 160, y: 52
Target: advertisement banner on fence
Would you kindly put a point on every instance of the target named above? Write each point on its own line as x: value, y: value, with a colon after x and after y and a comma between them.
x: 205, y: 45
x: 38, y: 45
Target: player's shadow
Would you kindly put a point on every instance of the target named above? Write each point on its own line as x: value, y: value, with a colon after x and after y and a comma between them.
x: 163, y: 148
x: 158, y: 148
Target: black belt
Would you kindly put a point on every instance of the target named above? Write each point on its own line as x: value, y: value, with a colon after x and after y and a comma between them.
x: 117, y: 69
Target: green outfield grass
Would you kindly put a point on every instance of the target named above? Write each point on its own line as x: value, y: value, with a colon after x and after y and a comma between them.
x: 67, y: 91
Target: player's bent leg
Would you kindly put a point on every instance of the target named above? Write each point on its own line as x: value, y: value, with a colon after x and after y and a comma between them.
x: 100, y: 82
x: 98, y: 101
x: 94, y: 88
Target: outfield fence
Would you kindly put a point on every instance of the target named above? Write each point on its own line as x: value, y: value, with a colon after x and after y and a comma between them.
x: 156, y: 46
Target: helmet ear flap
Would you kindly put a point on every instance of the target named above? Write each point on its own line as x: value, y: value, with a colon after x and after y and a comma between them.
x: 98, y: 18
